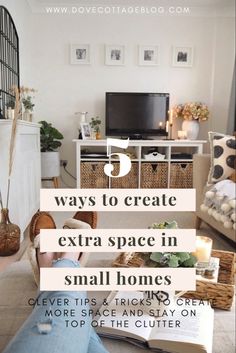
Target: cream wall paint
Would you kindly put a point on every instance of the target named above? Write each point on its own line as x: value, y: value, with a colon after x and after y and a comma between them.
x: 64, y: 89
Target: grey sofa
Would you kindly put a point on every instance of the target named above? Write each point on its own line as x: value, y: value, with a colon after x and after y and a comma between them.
x: 201, y: 167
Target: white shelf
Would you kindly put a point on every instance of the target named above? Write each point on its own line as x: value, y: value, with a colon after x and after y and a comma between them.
x: 169, y: 145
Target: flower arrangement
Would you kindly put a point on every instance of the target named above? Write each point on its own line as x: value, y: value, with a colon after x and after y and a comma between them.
x: 191, y: 111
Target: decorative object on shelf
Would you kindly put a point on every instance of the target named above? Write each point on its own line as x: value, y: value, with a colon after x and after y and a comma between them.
x: 182, y: 57
x: 182, y: 135
x: 10, y: 109
x: 26, y: 101
x: 50, y: 141
x: 115, y: 55
x: 191, y: 128
x: 154, y: 156
x: 203, y: 251
x: 82, y: 119
x: 10, y: 233
x: 80, y: 54
x: 9, y: 60
x: 95, y: 125
x: 169, y: 125
x: 148, y: 55
x: 192, y: 113
x: 86, y: 131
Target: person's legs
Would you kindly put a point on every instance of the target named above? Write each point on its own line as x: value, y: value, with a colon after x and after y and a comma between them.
x: 95, y: 344
x: 34, y: 335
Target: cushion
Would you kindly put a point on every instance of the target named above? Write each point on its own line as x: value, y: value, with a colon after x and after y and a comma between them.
x: 223, y: 148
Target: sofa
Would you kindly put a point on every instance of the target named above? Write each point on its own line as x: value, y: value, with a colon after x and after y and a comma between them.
x: 201, y: 167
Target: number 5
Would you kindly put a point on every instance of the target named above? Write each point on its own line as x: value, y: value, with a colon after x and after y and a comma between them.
x: 125, y: 162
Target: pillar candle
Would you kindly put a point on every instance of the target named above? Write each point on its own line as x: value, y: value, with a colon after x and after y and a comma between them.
x: 167, y: 126
x: 203, y: 249
x: 171, y: 116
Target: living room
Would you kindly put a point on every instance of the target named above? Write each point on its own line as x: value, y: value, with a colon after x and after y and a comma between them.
x: 52, y: 35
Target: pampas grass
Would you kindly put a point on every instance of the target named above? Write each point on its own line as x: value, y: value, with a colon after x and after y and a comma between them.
x: 13, y: 140
x: 1, y: 204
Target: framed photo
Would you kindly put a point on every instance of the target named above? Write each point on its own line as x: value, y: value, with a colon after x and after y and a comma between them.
x: 80, y: 54
x: 182, y: 57
x: 115, y: 55
x: 85, y: 131
x: 149, y: 55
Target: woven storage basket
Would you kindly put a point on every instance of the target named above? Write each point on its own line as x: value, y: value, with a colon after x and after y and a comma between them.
x: 93, y: 176
x: 128, y: 181
x: 154, y: 175
x: 221, y: 294
x: 181, y: 175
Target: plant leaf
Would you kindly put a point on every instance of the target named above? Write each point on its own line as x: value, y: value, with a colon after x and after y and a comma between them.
x: 173, y: 261
x: 183, y: 256
x: 156, y: 256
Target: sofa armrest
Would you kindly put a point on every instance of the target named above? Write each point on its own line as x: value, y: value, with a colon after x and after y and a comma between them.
x: 201, y: 168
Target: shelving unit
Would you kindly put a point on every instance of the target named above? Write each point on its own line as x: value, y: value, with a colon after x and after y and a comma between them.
x: 138, y: 148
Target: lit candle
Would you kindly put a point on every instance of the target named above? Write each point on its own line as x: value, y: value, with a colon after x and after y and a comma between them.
x: 182, y: 134
x: 171, y: 116
x: 160, y: 124
x: 203, y: 250
x: 167, y: 126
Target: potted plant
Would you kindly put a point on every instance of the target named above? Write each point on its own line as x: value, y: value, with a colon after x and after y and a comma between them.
x: 170, y: 259
x: 50, y: 141
x: 10, y: 106
x: 26, y: 100
x: 160, y: 299
x: 95, y: 125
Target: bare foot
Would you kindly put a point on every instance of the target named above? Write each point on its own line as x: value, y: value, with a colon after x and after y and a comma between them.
x: 74, y: 256
x: 45, y: 259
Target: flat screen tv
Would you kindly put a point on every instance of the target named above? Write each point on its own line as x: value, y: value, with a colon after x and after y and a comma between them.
x: 136, y: 115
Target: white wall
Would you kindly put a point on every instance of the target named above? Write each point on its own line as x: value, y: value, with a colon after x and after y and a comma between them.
x: 64, y: 89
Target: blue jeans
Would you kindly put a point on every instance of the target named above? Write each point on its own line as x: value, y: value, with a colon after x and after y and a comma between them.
x: 55, y: 337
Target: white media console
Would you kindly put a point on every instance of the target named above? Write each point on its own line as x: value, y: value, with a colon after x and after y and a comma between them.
x: 144, y: 173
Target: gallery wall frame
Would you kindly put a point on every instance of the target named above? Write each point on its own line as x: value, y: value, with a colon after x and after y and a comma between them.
x: 149, y: 55
x: 80, y: 54
x: 115, y: 55
x: 182, y: 56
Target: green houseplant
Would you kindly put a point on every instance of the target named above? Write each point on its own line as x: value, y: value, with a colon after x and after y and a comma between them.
x: 50, y: 141
x: 162, y: 299
x: 170, y: 259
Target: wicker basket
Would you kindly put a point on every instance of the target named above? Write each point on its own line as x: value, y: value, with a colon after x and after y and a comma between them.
x: 154, y: 175
x: 93, y: 176
x: 221, y: 294
x: 181, y: 175
x: 128, y: 181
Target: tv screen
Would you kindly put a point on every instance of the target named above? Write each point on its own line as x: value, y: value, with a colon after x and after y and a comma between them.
x: 136, y: 114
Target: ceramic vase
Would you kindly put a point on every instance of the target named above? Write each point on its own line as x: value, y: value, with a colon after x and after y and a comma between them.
x: 9, y: 235
x: 192, y: 129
